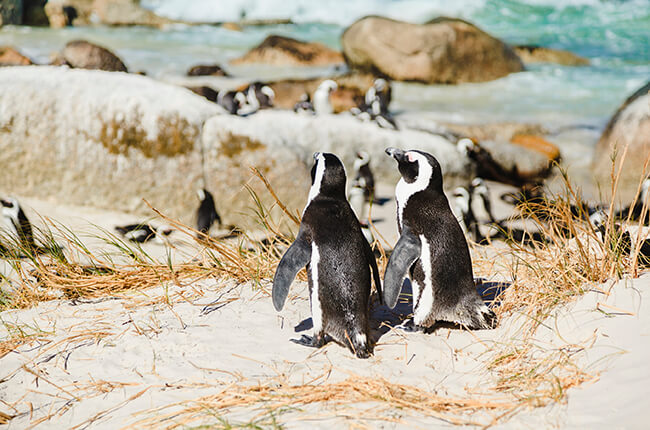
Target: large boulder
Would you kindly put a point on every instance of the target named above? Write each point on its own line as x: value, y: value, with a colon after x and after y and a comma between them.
x: 281, y: 144
x: 9, y: 56
x: 445, y: 50
x: 627, y: 131
x: 62, y: 13
x: 285, y: 51
x: 109, y: 12
x: 11, y: 12
x: 126, y: 12
x: 101, y: 139
x: 540, y: 54
x: 80, y: 54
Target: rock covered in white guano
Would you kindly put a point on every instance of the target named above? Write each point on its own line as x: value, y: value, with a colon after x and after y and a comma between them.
x: 100, y: 139
x: 281, y: 145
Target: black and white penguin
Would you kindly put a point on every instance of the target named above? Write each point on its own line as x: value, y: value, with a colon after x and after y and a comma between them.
x: 432, y: 250
x: 144, y: 232
x: 338, y: 259
x: 19, y: 224
x: 260, y: 96
x: 363, y: 174
x: 231, y: 101
x: 321, y: 99
x: 207, y: 213
x: 378, y: 97
x: 304, y: 105
x: 479, y: 189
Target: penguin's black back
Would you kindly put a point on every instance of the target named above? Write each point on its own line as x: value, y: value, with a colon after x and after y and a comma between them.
x: 206, y: 214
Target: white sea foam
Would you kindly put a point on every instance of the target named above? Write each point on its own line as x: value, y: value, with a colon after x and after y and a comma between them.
x: 341, y: 12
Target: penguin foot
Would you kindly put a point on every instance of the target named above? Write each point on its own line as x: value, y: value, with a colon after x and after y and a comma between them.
x: 410, y: 326
x: 310, y: 341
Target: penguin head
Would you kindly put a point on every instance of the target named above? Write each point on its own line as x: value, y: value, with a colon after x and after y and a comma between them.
x: 380, y: 84
x: 10, y: 207
x: 268, y: 91
x: 418, y: 168
x: 200, y: 193
x: 363, y: 158
x: 465, y: 146
x: 327, y: 176
x: 328, y: 85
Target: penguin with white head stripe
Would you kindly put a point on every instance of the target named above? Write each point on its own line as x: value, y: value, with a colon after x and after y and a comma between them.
x: 432, y: 250
x: 321, y: 99
x: 338, y: 259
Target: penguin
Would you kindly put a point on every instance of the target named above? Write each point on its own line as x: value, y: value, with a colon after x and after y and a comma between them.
x: 634, y: 212
x: 260, y: 96
x: 363, y: 174
x: 231, y: 101
x: 20, y: 225
x: 338, y: 259
x: 479, y: 188
x: 378, y: 97
x: 321, y: 98
x: 432, y: 250
x: 304, y: 105
x: 144, y: 232
x: 207, y: 213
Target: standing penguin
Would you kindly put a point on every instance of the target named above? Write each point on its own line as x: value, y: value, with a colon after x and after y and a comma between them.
x: 206, y: 214
x: 20, y: 225
x: 363, y: 175
x: 338, y: 260
x: 321, y: 99
x: 432, y: 250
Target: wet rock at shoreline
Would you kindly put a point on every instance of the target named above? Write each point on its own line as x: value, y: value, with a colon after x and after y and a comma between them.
x: 285, y: 51
x: 63, y: 13
x: 11, y: 12
x: 540, y: 54
x: 206, y: 70
x: 126, y: 12
x: 9, y: 56
x: 81, y: 54
x: 444, y: 50
x: 627, y: 130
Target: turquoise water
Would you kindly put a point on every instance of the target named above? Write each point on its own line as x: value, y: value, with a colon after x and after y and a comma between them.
x: 613, y: 35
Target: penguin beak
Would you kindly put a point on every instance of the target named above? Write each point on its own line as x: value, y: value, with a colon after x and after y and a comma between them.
x: 397, y: 154
x: 316, y: 154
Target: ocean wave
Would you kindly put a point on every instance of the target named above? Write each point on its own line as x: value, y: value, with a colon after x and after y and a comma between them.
x: 344, y: 12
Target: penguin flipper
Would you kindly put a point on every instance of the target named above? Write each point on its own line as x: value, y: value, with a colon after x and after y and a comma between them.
x: 406, y: 252
x: 296, y: 257
x: 372, y: 261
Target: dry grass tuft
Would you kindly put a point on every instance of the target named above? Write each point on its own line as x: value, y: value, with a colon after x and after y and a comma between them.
x: 275, y: 397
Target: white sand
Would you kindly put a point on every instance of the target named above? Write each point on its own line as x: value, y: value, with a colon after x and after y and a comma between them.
x: 147, y: 354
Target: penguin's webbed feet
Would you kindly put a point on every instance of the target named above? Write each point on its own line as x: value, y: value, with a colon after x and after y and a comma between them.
x: 310, y: 341
x: 410, y: 326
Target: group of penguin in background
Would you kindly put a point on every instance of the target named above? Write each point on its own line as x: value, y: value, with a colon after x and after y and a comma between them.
x: 256, y: 96
x: 18, y: 225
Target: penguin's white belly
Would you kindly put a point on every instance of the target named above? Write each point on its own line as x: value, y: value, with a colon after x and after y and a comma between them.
x: 423, y: 300
x: 316, y: 310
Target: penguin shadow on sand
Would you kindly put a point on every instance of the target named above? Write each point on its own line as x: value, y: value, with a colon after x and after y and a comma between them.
x: 383, y: 319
